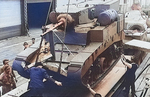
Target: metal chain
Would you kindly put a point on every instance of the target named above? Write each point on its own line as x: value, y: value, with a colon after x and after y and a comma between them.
x: 26, y: 17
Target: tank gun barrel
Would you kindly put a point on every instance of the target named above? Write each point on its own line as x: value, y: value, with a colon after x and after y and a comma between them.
x: 52, y: 28
x: 62, y: 19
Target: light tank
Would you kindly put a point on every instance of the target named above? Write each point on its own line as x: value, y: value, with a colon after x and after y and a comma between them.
x: 80, y: 46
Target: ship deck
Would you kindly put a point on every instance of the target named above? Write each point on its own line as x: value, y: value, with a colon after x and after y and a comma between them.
x: 80, y: 91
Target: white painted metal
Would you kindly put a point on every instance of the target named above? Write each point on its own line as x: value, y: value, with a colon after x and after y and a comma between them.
x: 10, y: 13
x: 10, y: 18
x: 17, y: 92
x: 138, y: 44
x: 78, y: 6
x: 37, y: 1
x: 134, y: 17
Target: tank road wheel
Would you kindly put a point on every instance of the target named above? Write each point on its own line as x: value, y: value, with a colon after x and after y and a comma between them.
x: 86, y: 79
x: 102, y: 63
x: 94, y: 72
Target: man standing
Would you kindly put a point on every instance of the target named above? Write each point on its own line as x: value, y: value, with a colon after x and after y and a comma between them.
x: 6, y: 62
x: 8, y: 82
x: 37, y: 74
x: 130, y: 74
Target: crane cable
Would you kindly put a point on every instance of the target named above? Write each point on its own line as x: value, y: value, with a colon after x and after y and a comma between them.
x: 63, y: 38
x: 49, y: 12
x: 65, y: 25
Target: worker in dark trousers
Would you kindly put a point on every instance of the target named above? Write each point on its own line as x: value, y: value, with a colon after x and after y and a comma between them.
x: 37, y: 75
x: 129, y: 75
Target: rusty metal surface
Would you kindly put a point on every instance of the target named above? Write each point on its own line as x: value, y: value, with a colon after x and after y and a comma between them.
x: 100, y: 49
x: 108, y: 82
